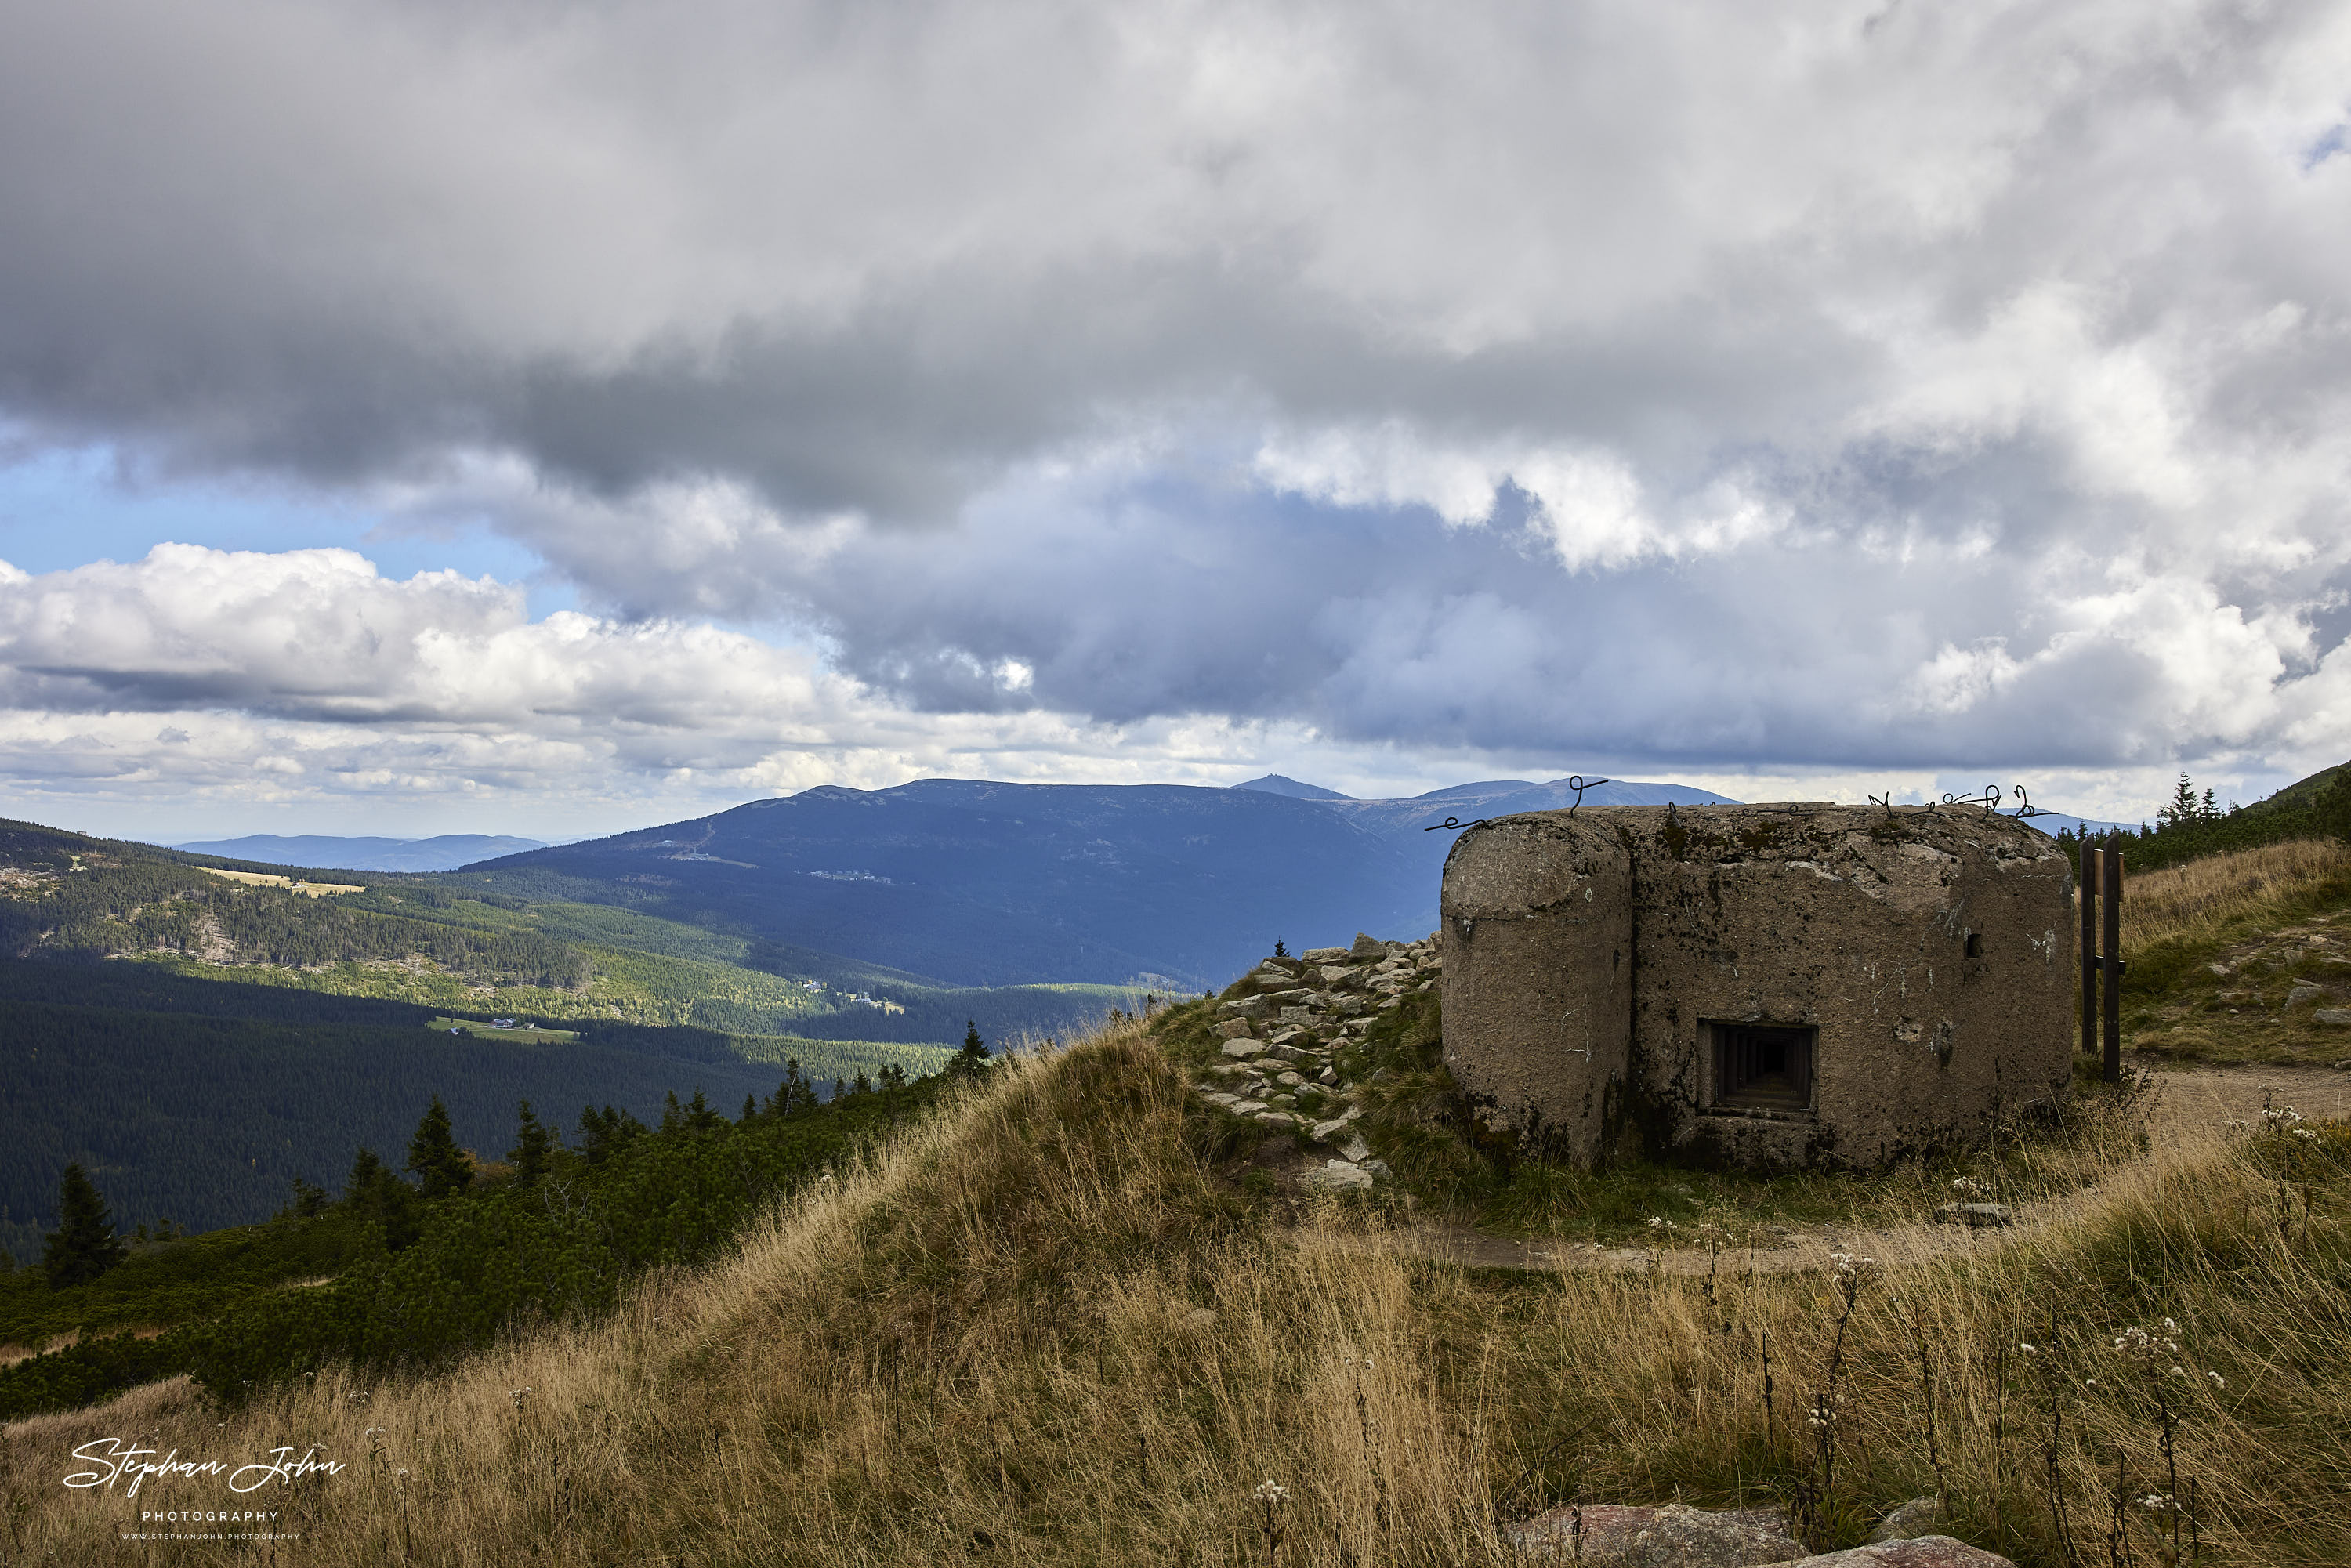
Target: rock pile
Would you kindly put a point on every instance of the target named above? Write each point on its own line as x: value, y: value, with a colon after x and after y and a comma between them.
x: 1282, y: 1032
x: 1604, y: 1535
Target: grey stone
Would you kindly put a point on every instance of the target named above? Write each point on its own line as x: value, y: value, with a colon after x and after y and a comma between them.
x: 1614, y: 1535
x: 1367, y: 947
x: 1919, y: 1516
x: 1975, y: 1214
x: 1334, y: 976
x: 1298, y: 1017
x: 2331, y: 1015
x: 1288, y: 1036
x: 1241, y: 1049
x: 1346, y: 1006
x: 1356, y: 1149
x: 1330, y: 1075
x: 1286, y: 1051
x: 1268, y: 1065
x: 1244, y: 1006
x: 1325, y: 956
x: 1295, y: 995
x: 1338, y: 1176
x: 2305, y: 992
x: 1234, y: 1029
x: 1290, y: 1080
x: 1323, y: 1132
x: 2344, y: 1065
x: 1923, y: 1552
x: 1377, y: 1167
x: 1272, y: 1118
x: 1247, y: 1107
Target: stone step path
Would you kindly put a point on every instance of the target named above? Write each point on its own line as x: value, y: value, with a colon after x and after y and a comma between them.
x: 1283, y: 1033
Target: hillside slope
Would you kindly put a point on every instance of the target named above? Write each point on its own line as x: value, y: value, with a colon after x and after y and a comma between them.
x: 1057, y: 1325
x: 445, y: 853
x: 985, y: 883
x: 196, y: 1040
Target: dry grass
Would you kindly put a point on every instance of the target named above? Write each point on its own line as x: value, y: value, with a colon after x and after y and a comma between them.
x: 1036, y: 1331
x: 2216, y: 947
x: 2207, y: 900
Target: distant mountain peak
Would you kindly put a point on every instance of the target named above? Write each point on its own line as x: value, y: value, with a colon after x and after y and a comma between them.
x: 1277, y: 784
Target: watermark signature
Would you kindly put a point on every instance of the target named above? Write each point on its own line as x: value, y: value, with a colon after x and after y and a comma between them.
x: 116, y: 1461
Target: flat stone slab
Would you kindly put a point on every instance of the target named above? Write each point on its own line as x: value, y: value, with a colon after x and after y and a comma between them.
x: 1338, y: 1176
x: 2331, y: 1015
x: 1976, y: 1214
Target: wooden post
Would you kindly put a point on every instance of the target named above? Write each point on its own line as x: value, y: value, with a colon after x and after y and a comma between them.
x: 2088, y: 888
x: 2112, y: 965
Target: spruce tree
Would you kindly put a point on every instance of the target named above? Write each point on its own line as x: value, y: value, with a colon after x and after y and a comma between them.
x: 434, y: 1157
x: 532, y: 1146
x: 84, y: 1245
x: 2182, y: 807
x: 372, y: 1192
x: 970, y: 1060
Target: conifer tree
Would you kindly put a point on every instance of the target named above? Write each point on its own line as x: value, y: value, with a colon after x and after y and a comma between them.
x: 434, y: 1157
x: 2182, y: 807
x: 861, y: 1084
x: 84, y: 1244
x: 970, y: 1060
x: 533, y: 1144
x: 372, y: 1192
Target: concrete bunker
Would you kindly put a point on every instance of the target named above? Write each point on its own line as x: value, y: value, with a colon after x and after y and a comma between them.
x: 1793, y: 985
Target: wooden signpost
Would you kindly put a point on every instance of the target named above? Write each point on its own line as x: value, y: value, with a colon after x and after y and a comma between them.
x: 2102, y: 875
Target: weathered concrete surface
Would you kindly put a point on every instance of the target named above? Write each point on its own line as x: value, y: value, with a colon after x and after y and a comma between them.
x: 1538, y: 975
x: 1928, y: 956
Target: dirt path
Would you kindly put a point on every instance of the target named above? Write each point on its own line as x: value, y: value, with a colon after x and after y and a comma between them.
x: 2187, y: 1099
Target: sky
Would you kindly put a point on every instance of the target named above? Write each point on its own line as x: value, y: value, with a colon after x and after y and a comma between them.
x: 550, y: 419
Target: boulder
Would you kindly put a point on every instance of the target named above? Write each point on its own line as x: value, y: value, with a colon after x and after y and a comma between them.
x: 1977, y: 1214
x: 1325, y: 956
x: 1924, y: 1552
x: 1367, y: 947
x: 1615, y: 1535
x: 1234, y: 1029
x: 1919, y: 1516
x: 1338, y: 1176
x: 2305, y: 992
x: 1241, y: 1049
x: 2331, y: 1015
x: 1245, y: 1007
x: 1294, y: 996
x: 1356, y: 1149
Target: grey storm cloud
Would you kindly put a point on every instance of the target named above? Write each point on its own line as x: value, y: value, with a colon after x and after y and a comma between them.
x: 1862, y: 383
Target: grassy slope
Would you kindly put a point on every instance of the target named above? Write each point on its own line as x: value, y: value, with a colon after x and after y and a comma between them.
x: 1042, y: 1330
x: 2218, y: 946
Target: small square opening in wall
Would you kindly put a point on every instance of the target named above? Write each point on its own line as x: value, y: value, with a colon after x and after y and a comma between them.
x: 1975, y: 944
x: 1763, y: 1067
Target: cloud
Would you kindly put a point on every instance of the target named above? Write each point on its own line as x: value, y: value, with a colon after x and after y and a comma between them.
x: 1708, y: 387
